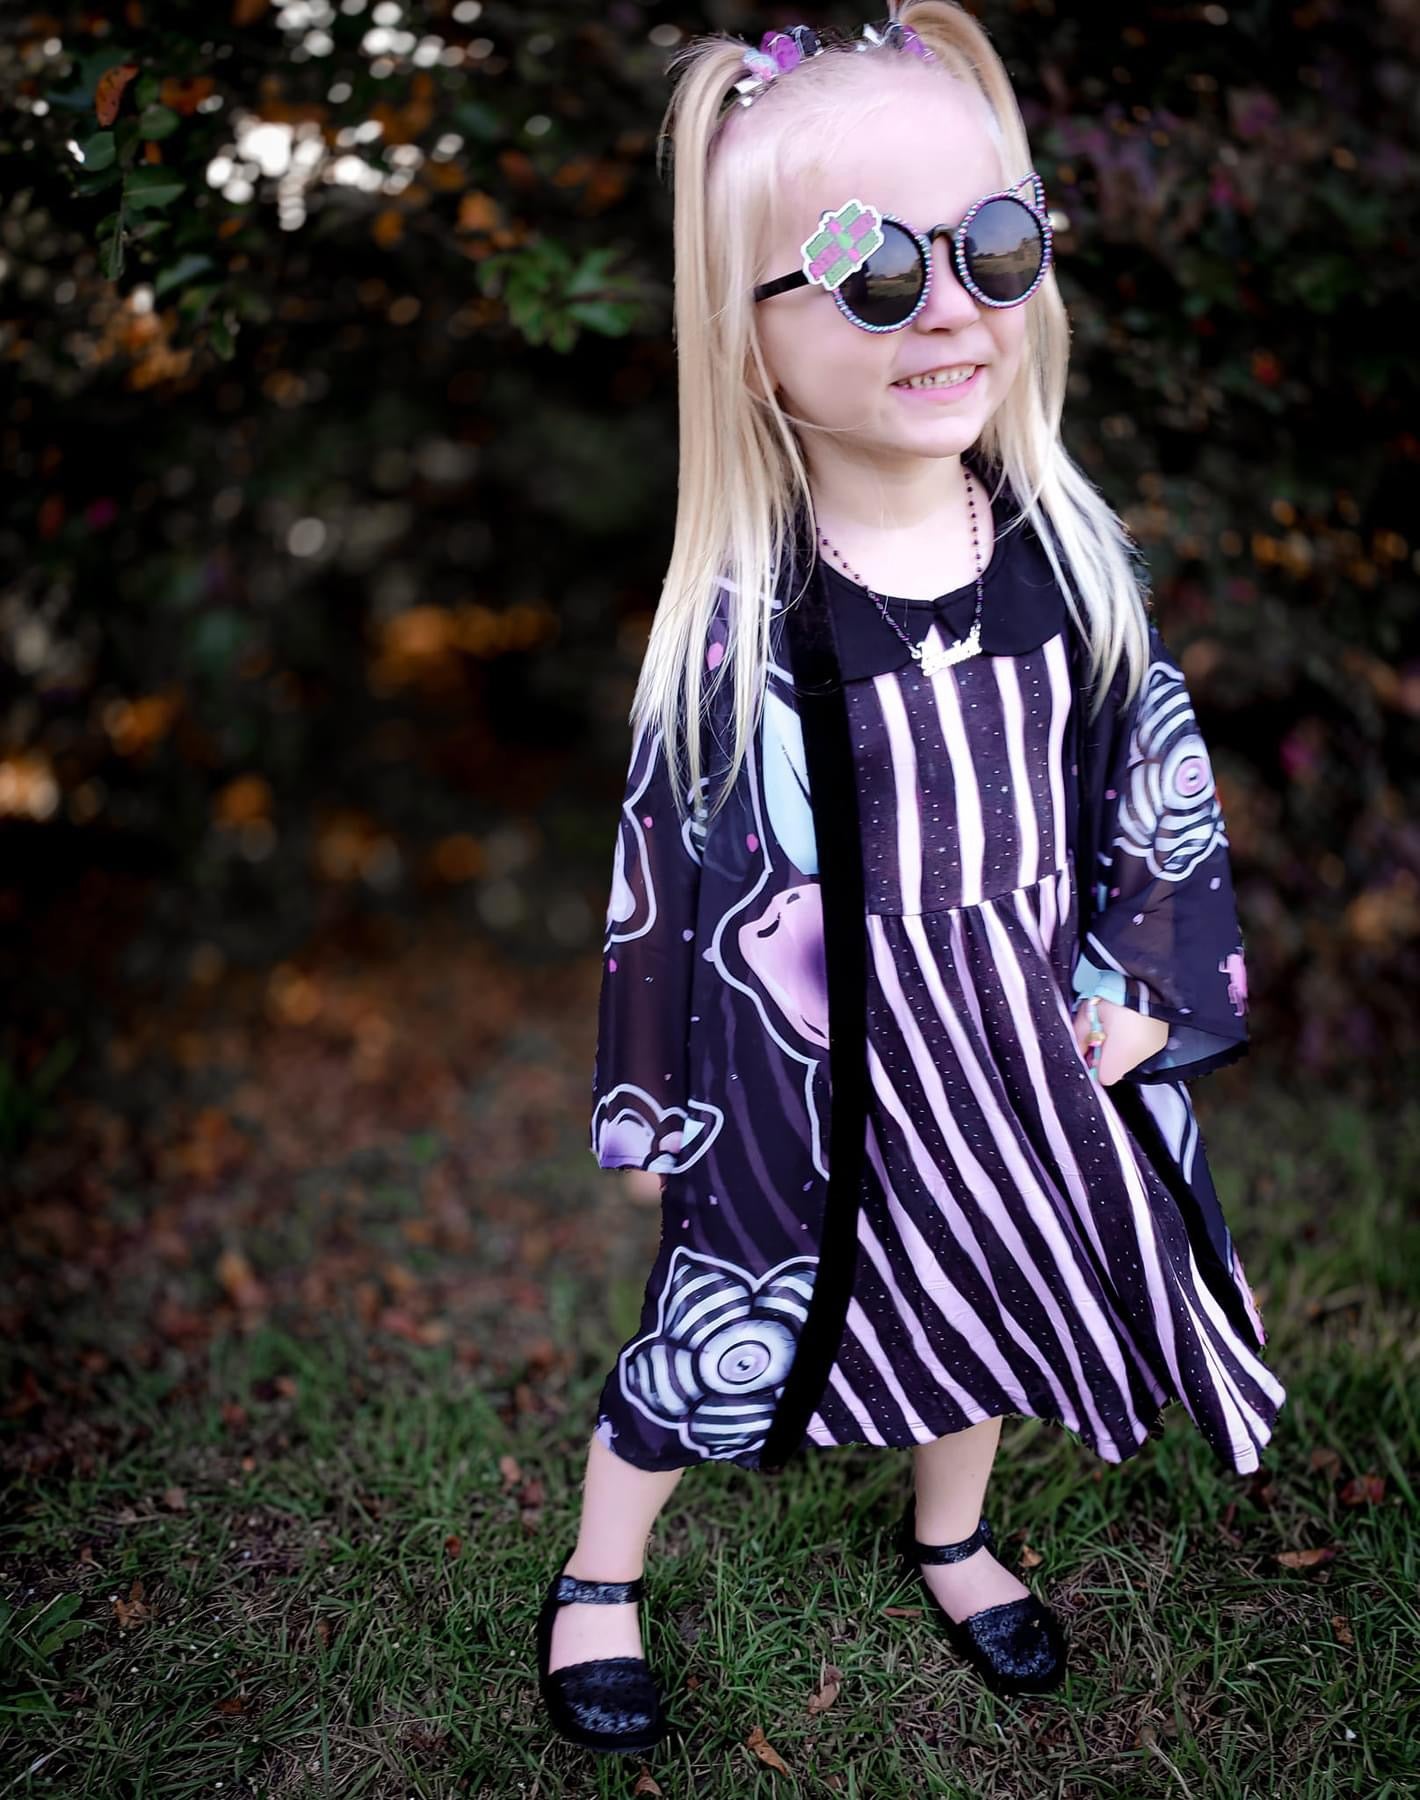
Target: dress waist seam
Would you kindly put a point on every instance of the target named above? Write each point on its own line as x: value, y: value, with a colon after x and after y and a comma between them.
x: 922, y: 912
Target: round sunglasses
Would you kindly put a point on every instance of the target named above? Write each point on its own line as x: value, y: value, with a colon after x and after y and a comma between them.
x: 879, y: 270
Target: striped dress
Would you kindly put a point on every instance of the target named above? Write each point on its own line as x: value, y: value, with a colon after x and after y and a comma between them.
x: 1017, y: 1253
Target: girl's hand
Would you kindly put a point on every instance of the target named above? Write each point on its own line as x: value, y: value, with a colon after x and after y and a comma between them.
x: 1130, y: 1038
x: 646, y: 1188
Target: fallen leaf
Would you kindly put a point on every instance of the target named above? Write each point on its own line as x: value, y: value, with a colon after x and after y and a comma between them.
x: 1262, y: 1491
x: 766, y: 1752
x: 26, y: 1400
x: 827, y: 1691
x: 1307, y: 1559
x: 1363, y: 1490
x: 132, y: 1611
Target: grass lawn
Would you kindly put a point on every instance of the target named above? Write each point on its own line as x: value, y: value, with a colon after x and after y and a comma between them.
x: 290, y: 1463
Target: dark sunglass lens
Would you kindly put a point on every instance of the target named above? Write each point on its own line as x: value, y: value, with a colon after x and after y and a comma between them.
x: 888, y: 286
x: 1004, y: 249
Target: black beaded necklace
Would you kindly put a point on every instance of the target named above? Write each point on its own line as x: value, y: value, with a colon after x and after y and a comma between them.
x: 930, y: 658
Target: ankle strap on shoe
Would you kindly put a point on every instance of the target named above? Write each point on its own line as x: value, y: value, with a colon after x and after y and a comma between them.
x: 950, y: 1553
x: 571, y: 1588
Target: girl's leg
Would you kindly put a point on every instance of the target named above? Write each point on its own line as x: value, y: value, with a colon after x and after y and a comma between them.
x: 950, y: 1475
x: 620, y: 1504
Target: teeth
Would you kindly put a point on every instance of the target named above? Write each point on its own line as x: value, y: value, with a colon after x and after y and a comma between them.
x: 946, y: 378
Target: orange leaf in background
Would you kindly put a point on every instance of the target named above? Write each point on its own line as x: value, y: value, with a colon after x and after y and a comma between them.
x: 406, y: 124
x: 246, y: 798
x: 518, y: 168
x: 604, y: 187
x: 136, y: 726
x: 478, y: 212
x: 247, y: 12
x: 1266, y: 368
x: 443, y: 177
x: 1363, y: 1490
x: 109, y: 92
x: 388, y: 228
x: 459, y: 857
x: 28, y: 788
x: 238, y: 1281
x: 573, y: 172
x: 185, y: 93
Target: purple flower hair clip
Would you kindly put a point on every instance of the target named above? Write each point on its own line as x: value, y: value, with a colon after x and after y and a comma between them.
x: 780, y: 51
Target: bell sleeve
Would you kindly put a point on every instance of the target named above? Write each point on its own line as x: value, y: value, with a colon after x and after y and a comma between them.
x: 641, y: 1107
x: 1164, y: 937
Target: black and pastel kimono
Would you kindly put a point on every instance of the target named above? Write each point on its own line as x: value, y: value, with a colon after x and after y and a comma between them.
x: 838, y: 1020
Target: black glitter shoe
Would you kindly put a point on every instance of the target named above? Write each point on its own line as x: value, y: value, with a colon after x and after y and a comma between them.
x: 610, y: 1704
x: 1018, y: 1647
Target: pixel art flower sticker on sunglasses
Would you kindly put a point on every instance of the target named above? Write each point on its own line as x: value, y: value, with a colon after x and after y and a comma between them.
x: 842, y: 243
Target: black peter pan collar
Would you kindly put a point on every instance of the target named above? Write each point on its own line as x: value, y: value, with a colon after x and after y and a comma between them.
x: 1022, y: 605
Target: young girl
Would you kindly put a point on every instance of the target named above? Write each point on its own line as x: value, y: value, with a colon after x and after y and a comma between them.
x: 915, y: 941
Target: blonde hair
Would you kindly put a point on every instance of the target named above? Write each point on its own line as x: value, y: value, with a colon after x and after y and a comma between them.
x: 742, y: 473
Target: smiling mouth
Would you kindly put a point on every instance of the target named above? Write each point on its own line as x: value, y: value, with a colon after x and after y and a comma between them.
x: 952, y: 377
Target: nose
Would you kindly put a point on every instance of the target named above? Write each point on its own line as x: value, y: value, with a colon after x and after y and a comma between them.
x: 949, y: 302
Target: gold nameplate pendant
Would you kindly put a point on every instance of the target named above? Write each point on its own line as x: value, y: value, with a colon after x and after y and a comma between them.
x: 933, y: 658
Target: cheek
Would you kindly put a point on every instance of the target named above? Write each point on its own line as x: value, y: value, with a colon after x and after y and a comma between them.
x: 1008, y: 337
x: 828, y: 369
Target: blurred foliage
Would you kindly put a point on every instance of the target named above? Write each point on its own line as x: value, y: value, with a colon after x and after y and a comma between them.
x: 340, y: 435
